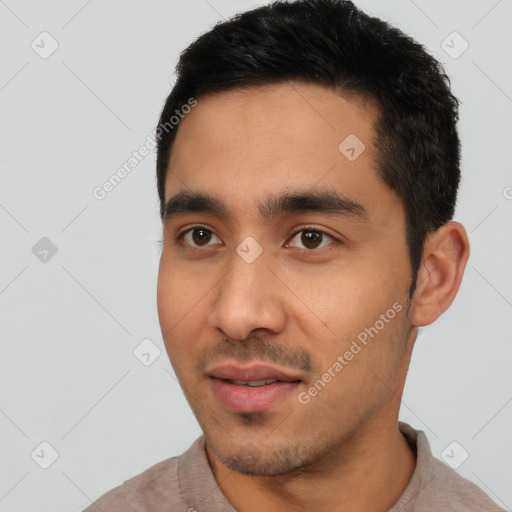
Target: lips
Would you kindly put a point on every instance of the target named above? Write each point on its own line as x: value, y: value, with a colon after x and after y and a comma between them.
x: 251, y: 389
x: 252, y: 383
x: 252, y: 373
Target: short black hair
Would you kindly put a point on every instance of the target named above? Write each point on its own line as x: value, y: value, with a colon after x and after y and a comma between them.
x: 335, y: 44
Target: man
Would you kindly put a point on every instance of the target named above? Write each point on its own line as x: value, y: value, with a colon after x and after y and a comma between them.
x: 308, y: 165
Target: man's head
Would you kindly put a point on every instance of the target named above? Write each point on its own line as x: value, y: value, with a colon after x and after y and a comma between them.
x: 332, y: 43
x: 318, y: 165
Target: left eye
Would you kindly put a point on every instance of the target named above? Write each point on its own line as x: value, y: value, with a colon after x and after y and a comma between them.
x: 311, y: 238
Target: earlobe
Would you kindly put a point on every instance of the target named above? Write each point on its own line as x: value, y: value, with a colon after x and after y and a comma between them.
x: 445, y: 255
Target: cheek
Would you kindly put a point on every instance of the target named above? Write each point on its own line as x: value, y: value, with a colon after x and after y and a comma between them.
x: 364, y: 361
x: 361, y: 304
x: 177, y: 288
x: 179, y: 302
x: 345, y: 296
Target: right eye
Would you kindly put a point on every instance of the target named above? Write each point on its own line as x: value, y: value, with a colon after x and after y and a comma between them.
x: 196, y: 235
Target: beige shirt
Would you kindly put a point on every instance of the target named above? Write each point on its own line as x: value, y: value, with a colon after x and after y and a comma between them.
x: 186, y: 484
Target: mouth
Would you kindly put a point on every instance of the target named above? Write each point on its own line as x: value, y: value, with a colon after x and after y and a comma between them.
x: 251, y: 383
x: 252, y: 389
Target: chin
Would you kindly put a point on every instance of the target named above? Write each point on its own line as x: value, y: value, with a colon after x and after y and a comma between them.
x: 262, y: 460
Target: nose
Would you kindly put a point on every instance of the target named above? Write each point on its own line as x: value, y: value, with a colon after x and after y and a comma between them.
x: 250, y: 297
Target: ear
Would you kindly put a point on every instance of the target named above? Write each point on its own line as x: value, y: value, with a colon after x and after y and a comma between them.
x: 445, y: 255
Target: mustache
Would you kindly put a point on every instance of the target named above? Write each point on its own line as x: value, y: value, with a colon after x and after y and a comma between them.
x: 261, y: 349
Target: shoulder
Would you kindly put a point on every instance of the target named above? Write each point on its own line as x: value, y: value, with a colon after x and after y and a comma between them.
x: 455, y: 493
x: 436, y: 486
x: 155, y: 489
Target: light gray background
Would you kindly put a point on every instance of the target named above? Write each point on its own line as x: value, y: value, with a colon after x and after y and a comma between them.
x: 69, y: 326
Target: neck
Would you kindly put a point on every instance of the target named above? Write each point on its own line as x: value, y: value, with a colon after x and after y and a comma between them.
x: 376, y: 461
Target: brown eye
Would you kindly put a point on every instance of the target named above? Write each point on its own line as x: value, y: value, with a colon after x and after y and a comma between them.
x: 201, y: 236
x: 197, y: 237
x: 312, y: 238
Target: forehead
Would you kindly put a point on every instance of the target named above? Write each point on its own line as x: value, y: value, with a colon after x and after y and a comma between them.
x: 248, y: 144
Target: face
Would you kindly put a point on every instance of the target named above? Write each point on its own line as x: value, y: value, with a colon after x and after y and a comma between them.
x: 282, y: 295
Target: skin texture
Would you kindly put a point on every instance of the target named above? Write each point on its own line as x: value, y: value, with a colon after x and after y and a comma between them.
x: 296, y: 303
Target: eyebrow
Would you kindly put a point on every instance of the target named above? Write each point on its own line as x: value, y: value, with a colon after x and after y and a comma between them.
x: 274, y: 207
